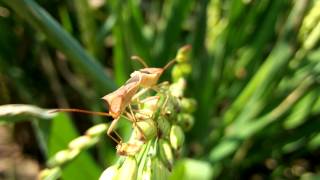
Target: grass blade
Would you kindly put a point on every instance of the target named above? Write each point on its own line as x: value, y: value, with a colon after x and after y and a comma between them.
x: 42, y: 21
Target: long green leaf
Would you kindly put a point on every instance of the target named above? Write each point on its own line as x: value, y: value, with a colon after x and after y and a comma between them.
x: 41, y: 20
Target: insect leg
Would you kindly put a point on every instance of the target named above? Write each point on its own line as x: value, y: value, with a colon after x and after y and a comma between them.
x: 140, y: 93
x: 146, y: 112
x: 164, y: 103
x: 135, y: 121
x: 111, y: 129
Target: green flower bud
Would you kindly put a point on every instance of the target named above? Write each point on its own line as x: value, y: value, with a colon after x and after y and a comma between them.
x: 185, y: 120
x: 110, y: 173
x: 63, y: 156
x: 160, y: 172
x: 163, y: 86
x: 145, y: 130
x: 144, y: 114
x: 151, y: 103
x: 154, y: 170
x: 164, y: 126
x: 182, y: 55
x: 147, y: 169
x: 188, y: 105
x: 129, y: 149
x: 171, y: 109
x: 82, y: 142
x: 181, y: 58
x: 166, y: 154
x: 180, y: 71
x: 97, y: 130
x: 128, y: 169
x: 150, y: 106
x: 176, y: 137
x: 177, y: 88
x: 53, y: 173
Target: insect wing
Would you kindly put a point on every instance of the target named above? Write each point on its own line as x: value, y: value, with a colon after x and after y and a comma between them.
x: 131, y: 88
x: 149, y: 76
x: 115, y: 101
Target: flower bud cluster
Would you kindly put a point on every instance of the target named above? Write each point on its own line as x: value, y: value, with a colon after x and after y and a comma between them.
x: 159, y: 122
x: 62, y: 157
x: 158, y: 134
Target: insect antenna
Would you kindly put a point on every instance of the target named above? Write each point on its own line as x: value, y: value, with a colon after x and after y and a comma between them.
x: 183, y: 50
x: 170, y: 63
x: 140, y: 60
x: 81, y: 111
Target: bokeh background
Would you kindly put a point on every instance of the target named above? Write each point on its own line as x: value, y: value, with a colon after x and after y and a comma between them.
x: 255, y: 76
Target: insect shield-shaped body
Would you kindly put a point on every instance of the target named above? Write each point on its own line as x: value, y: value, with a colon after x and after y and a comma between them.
x: 149, y: 76
x: 121, y: 98
x: 118, y: 100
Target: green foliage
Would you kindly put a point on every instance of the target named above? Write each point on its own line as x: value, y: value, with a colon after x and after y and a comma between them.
x: 62, y: 132
x: 254, y: 74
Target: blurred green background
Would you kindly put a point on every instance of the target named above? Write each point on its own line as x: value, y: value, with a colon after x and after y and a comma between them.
x: 255, y: 76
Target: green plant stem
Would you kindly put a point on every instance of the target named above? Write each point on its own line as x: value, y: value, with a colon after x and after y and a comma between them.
x: 20, y: 112
x: 81, y: 143
x: 59, y: 38
x: 178, y: 11
x: 87, y: 27
x: 231, y: 141
x: 272, y: 68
